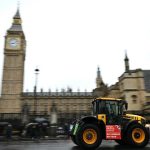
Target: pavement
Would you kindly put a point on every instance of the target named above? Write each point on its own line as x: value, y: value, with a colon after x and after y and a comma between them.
x: 18, y: 138
x: 46, y: 138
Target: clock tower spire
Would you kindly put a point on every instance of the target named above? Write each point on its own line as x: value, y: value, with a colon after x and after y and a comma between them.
x: 13, y: 68
x: 16, y: 25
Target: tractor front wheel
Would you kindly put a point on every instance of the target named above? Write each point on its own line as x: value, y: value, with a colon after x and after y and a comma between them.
x: 73, y: 138
x: 138, y: 135
x: 90, y: 136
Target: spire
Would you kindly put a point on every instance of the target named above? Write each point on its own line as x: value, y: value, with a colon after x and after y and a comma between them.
x: 126, y: 62
x: 17, y: 19
x: 16, y: 25
x: 99, y: 80
x: 126, y: 57
x: 98, y: 73
x: 17, y: 15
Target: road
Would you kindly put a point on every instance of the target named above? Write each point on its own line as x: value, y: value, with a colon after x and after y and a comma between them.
x: 58, y: 145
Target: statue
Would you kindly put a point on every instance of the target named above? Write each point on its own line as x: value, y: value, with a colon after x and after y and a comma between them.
x: 25, y: 112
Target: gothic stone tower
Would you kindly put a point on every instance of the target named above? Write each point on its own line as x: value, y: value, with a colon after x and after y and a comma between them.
x: 13, y: 69
x: 101, y: 88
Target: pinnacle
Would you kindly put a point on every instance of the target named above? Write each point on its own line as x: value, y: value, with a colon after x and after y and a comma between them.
x: 17, y: 15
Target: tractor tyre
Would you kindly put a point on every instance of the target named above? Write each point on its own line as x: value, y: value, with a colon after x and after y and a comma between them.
x: 73, y: 138
x: 89, y: 136
x: 138, y: 135
x: 121, y: 142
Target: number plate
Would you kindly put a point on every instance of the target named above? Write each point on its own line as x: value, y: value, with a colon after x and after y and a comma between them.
x: 113, y: 132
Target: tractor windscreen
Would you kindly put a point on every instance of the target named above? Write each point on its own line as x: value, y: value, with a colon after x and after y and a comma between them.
x: 109, y: 107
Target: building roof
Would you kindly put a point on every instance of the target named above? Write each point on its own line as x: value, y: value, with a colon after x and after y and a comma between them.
x: 16, y: 26
x: 146, y: 74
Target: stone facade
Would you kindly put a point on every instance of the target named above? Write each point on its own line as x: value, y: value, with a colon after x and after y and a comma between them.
x: 13, y: 69
x: 132, y: 85
x: 68, y: 105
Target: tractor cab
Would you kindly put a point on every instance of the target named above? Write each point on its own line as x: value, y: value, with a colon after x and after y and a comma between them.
x: 110, y: 109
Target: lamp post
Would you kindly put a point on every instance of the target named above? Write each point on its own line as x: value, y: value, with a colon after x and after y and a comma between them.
x: 35, y: 90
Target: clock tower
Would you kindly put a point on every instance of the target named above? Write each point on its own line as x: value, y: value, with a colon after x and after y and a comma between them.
x: 13, y: 69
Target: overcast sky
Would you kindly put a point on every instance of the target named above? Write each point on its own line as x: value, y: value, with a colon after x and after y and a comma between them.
x: 68, y: 39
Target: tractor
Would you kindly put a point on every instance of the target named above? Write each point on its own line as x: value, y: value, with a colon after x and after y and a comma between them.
x: 110, y: 122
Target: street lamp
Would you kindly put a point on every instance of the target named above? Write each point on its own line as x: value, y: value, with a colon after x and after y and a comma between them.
x: 35, y: 90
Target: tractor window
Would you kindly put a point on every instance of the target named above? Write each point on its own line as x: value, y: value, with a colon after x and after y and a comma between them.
x: 106, y: 107
x: 98, y: 107
x: 94, y: 108
x: 112, y: 108
x: 102, y: 107
x: 123, y: 106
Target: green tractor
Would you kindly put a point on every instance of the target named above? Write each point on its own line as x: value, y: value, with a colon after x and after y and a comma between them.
x: 110, y: 122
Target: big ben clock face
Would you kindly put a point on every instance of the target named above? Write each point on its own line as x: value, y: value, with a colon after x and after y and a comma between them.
x: 13, y: 43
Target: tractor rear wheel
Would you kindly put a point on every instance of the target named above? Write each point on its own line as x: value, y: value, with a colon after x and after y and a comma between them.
x: 138, y: 135
x: 121, y: 142
x: 89, y: 136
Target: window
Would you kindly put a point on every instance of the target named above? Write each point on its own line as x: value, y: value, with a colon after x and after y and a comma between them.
x: 94, y: 108
x: 112, y: 107
x: 134, y: 99
x: 102, y: 108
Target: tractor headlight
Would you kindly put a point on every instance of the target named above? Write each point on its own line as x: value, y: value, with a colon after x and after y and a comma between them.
x: 71, y: 127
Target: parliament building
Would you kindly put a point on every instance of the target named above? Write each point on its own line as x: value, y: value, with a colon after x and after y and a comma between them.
x: 132, y: 85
